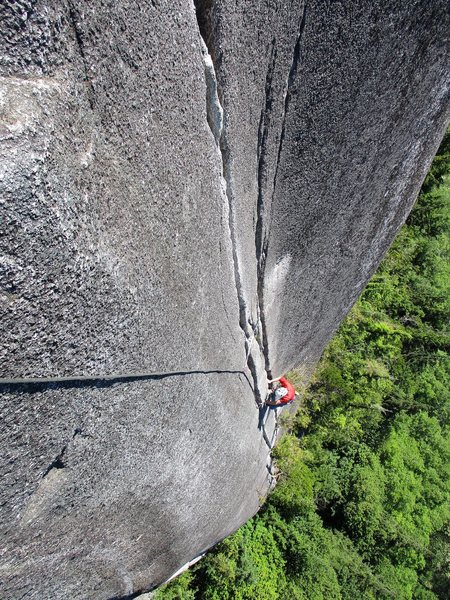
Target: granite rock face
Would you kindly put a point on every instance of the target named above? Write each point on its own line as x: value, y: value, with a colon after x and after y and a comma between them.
x: 333, y: 112
x: 199, y: 192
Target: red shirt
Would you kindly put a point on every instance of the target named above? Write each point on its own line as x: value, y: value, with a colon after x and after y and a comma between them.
x: 291, y: 391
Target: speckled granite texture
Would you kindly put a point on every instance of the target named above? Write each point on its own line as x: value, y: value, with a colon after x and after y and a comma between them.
x: 211, y: 208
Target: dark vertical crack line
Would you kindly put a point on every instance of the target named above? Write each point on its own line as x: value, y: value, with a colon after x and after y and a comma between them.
x: 291, y: 78
x: 203, y: 9
x: 243, y: 313
x: 260, y: 242
x: 214, y: 111
x: 290, y: 83
x: 79, y: 40
x: 261, y: 237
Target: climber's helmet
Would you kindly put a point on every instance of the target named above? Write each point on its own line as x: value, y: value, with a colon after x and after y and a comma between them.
x: 280, y: 393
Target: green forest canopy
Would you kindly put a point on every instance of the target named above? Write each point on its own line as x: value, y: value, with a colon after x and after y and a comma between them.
x: 362, y: 507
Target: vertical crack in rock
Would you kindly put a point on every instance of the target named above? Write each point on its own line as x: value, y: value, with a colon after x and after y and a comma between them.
x: 215, y: 117
x: 261, y: 237
x: 214, y: 110
x: 287, y: 98
x: 260, y: 241
x: 79, y: 40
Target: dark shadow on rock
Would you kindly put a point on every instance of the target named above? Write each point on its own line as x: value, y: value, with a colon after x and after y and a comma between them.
x: 262, y: 414
x: 29, y: 386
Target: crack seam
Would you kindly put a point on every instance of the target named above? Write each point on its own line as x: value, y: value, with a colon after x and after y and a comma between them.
x: 215, y: 118
x: 261, y: 239
x: 287, y: 98
x: 263, y: 133
x: 80, y: 44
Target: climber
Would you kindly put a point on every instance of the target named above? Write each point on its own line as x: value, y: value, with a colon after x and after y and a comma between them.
x: 283, y: 394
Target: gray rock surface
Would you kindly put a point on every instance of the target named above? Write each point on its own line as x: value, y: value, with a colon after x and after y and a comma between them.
x: 333, y: 113
x: 110, y: 490
x: 209, y: 211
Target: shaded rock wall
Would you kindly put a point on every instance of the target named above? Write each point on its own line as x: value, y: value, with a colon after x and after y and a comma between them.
x: 365, y: 111
x: 333, y: 112
x: 171, y: 204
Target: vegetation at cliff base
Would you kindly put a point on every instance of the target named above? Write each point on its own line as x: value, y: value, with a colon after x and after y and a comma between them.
x: 361, y: 510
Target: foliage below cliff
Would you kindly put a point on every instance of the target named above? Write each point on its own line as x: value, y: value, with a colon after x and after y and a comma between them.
x: 361, y: 509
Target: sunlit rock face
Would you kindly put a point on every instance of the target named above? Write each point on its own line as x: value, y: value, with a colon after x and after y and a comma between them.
x: 201, y: 193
